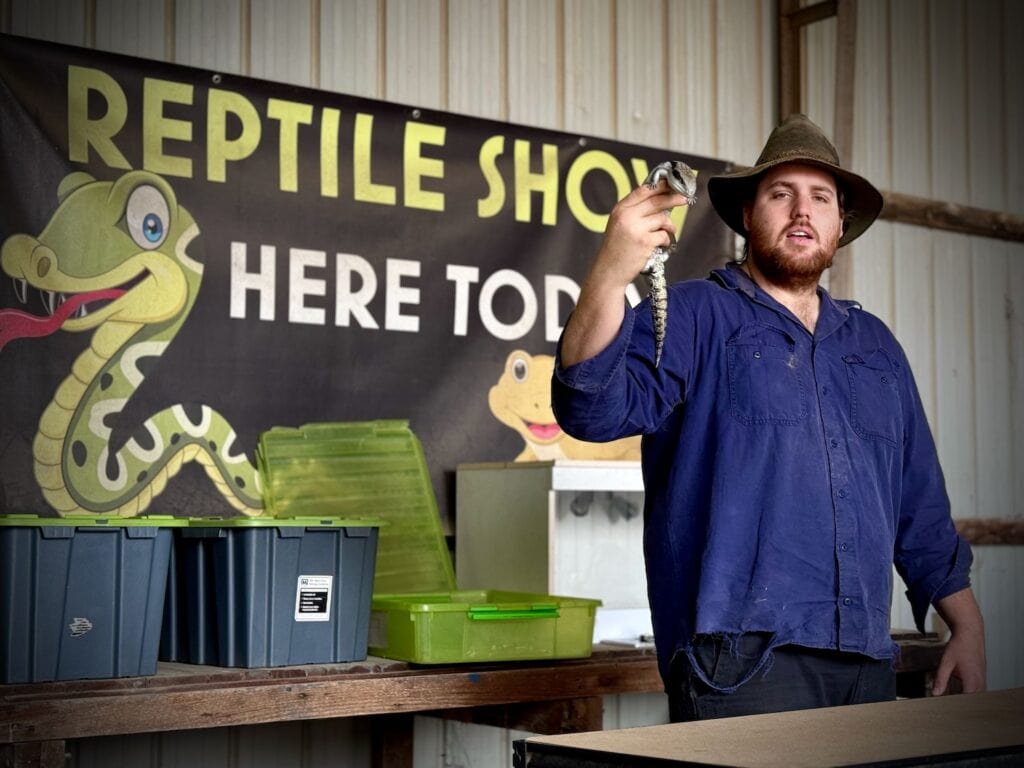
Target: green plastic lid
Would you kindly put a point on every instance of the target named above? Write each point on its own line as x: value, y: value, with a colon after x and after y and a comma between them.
x: 355, y: 469
x: 282, y: 522
x: 145, y: 521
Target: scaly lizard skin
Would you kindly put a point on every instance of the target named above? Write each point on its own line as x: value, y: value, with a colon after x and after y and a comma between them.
x: 682, y: 179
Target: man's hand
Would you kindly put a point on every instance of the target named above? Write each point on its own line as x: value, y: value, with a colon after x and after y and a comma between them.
x: 964, y: 657
x: 636, y: 226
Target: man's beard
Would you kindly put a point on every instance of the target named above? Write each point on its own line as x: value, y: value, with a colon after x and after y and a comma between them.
x: 784, y: 269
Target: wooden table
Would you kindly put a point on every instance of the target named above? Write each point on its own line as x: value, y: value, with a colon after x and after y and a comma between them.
x: 541, y: 697
x: 968, y: 730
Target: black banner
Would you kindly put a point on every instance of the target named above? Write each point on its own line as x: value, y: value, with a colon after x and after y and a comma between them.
x: 192, y: 258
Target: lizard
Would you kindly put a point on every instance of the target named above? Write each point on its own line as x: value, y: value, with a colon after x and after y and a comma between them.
x: 682, y: 179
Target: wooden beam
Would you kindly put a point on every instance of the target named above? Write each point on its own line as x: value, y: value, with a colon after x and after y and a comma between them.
x: 937, y: 214
x: 547, y: 717
x: 992, y: 532
x: 950, y: 217
x: 900, y: 208
x: 846, y: 64
x: 5, y: 16
x: 33, y: 754
x: 801, y: 17
x: 213, y: 697
x: 392, y: 740
x: 792, y: 18
x: 841, y: 279
x: 789, y: 59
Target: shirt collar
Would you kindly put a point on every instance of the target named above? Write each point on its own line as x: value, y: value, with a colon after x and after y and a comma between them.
x: 833, y: 313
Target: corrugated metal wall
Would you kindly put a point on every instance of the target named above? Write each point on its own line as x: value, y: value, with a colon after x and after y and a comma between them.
x: 939, y: 113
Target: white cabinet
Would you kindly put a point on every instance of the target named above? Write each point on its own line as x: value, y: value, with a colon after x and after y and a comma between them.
x: 570, y: 528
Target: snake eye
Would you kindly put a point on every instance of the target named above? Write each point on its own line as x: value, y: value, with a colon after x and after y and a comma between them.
x: 520, y: 369
x: 147, y: 216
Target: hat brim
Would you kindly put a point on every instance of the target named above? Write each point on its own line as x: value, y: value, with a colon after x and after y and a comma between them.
x: 729, y: 192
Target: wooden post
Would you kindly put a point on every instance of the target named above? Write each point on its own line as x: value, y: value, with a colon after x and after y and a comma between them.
x: 846, y: 61
x: 33, y: 754
x: 789, y: 58
x: 391, y: 741
x: 841, y: 278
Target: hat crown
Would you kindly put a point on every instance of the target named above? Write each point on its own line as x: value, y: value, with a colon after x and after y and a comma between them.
x: 797, y: 138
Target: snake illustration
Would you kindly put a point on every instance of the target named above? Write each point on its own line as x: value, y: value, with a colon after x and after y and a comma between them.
x: 683, y: 179
x: 112, y: 259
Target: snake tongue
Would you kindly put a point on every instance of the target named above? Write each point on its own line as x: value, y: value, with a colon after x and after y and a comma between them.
x: 16, y: 324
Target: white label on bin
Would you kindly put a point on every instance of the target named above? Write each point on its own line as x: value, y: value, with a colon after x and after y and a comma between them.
x: 313, y: 598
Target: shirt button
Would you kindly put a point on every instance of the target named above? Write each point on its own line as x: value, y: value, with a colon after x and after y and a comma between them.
x: 847, y: 601
x: 824, y: 390
x: 842, y: 493
x: 757, y: 355
x: 834, y: 443
x: 844, y: 547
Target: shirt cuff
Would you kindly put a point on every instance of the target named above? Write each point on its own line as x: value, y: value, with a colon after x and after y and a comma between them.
x: 957, y: 578
x: 594, y: 374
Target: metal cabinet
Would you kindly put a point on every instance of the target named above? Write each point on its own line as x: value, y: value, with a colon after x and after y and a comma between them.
x: 562, y: 527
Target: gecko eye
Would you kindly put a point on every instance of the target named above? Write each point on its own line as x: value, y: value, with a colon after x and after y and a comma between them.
x: 147, y: 216
x: 520, y: 369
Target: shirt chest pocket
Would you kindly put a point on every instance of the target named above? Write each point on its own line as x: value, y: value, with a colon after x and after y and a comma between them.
x: 766, y: 385
x: 875, y: 410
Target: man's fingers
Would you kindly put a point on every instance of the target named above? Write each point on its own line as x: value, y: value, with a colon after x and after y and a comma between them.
x: 665, y: 201
x: 661, y: 198
x: 942, y: 677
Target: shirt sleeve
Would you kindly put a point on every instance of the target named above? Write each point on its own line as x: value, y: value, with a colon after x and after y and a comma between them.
x: 619, y: 392
x: 933, y: 560
x: 583, y: 396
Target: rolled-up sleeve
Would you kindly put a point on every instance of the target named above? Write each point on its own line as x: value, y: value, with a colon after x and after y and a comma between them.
x: 586, y: 396
x: 931, y: 557
x: 594, y: 375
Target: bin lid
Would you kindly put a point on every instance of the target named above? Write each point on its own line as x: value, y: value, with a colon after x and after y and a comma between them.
x: 144, y: 521
x: 282, y: 522
x: 370, y: 468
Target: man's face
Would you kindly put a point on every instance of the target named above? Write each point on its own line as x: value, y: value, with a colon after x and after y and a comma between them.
x: 794, y: 223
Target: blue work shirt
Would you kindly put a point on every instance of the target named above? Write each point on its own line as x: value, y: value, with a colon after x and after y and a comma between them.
x: 784, y: 472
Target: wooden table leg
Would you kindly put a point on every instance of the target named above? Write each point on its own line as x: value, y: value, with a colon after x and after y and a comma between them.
x: 391, y: 741
x: 33, y: 754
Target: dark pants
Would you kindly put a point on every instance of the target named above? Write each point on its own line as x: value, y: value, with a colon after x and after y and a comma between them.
x: 793, y: 678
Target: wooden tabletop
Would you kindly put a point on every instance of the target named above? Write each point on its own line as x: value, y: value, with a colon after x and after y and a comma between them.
x: 985, y: 727
x: 184, y: 696
x: 536, y: 696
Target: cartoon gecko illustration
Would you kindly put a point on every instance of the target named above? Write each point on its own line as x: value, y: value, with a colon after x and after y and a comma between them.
x: 522, y: 400
x: 115, y: 253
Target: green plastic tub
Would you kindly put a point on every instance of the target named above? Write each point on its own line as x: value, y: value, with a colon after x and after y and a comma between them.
x: 378, y: 469
x: 481, y: 625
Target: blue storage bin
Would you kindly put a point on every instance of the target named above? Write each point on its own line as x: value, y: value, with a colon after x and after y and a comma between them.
x: 81, y: 597
x: 265, y: 592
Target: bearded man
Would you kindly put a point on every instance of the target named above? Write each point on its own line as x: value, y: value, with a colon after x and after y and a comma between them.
x: 787, y: 461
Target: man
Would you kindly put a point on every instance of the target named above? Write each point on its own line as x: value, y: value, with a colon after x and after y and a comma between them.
x: 787, y: 460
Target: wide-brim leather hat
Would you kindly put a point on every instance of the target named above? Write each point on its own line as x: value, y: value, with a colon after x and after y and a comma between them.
x: 797, y: 140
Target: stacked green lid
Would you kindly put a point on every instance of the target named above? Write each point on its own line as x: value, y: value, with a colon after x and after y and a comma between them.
x: 368, y: 469
x: 19, y: 520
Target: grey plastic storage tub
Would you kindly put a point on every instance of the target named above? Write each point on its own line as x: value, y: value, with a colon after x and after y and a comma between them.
x: 267, y: 592
x: 81, y: 597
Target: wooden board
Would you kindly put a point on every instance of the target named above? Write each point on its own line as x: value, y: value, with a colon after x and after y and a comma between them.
x: 865, y: 734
